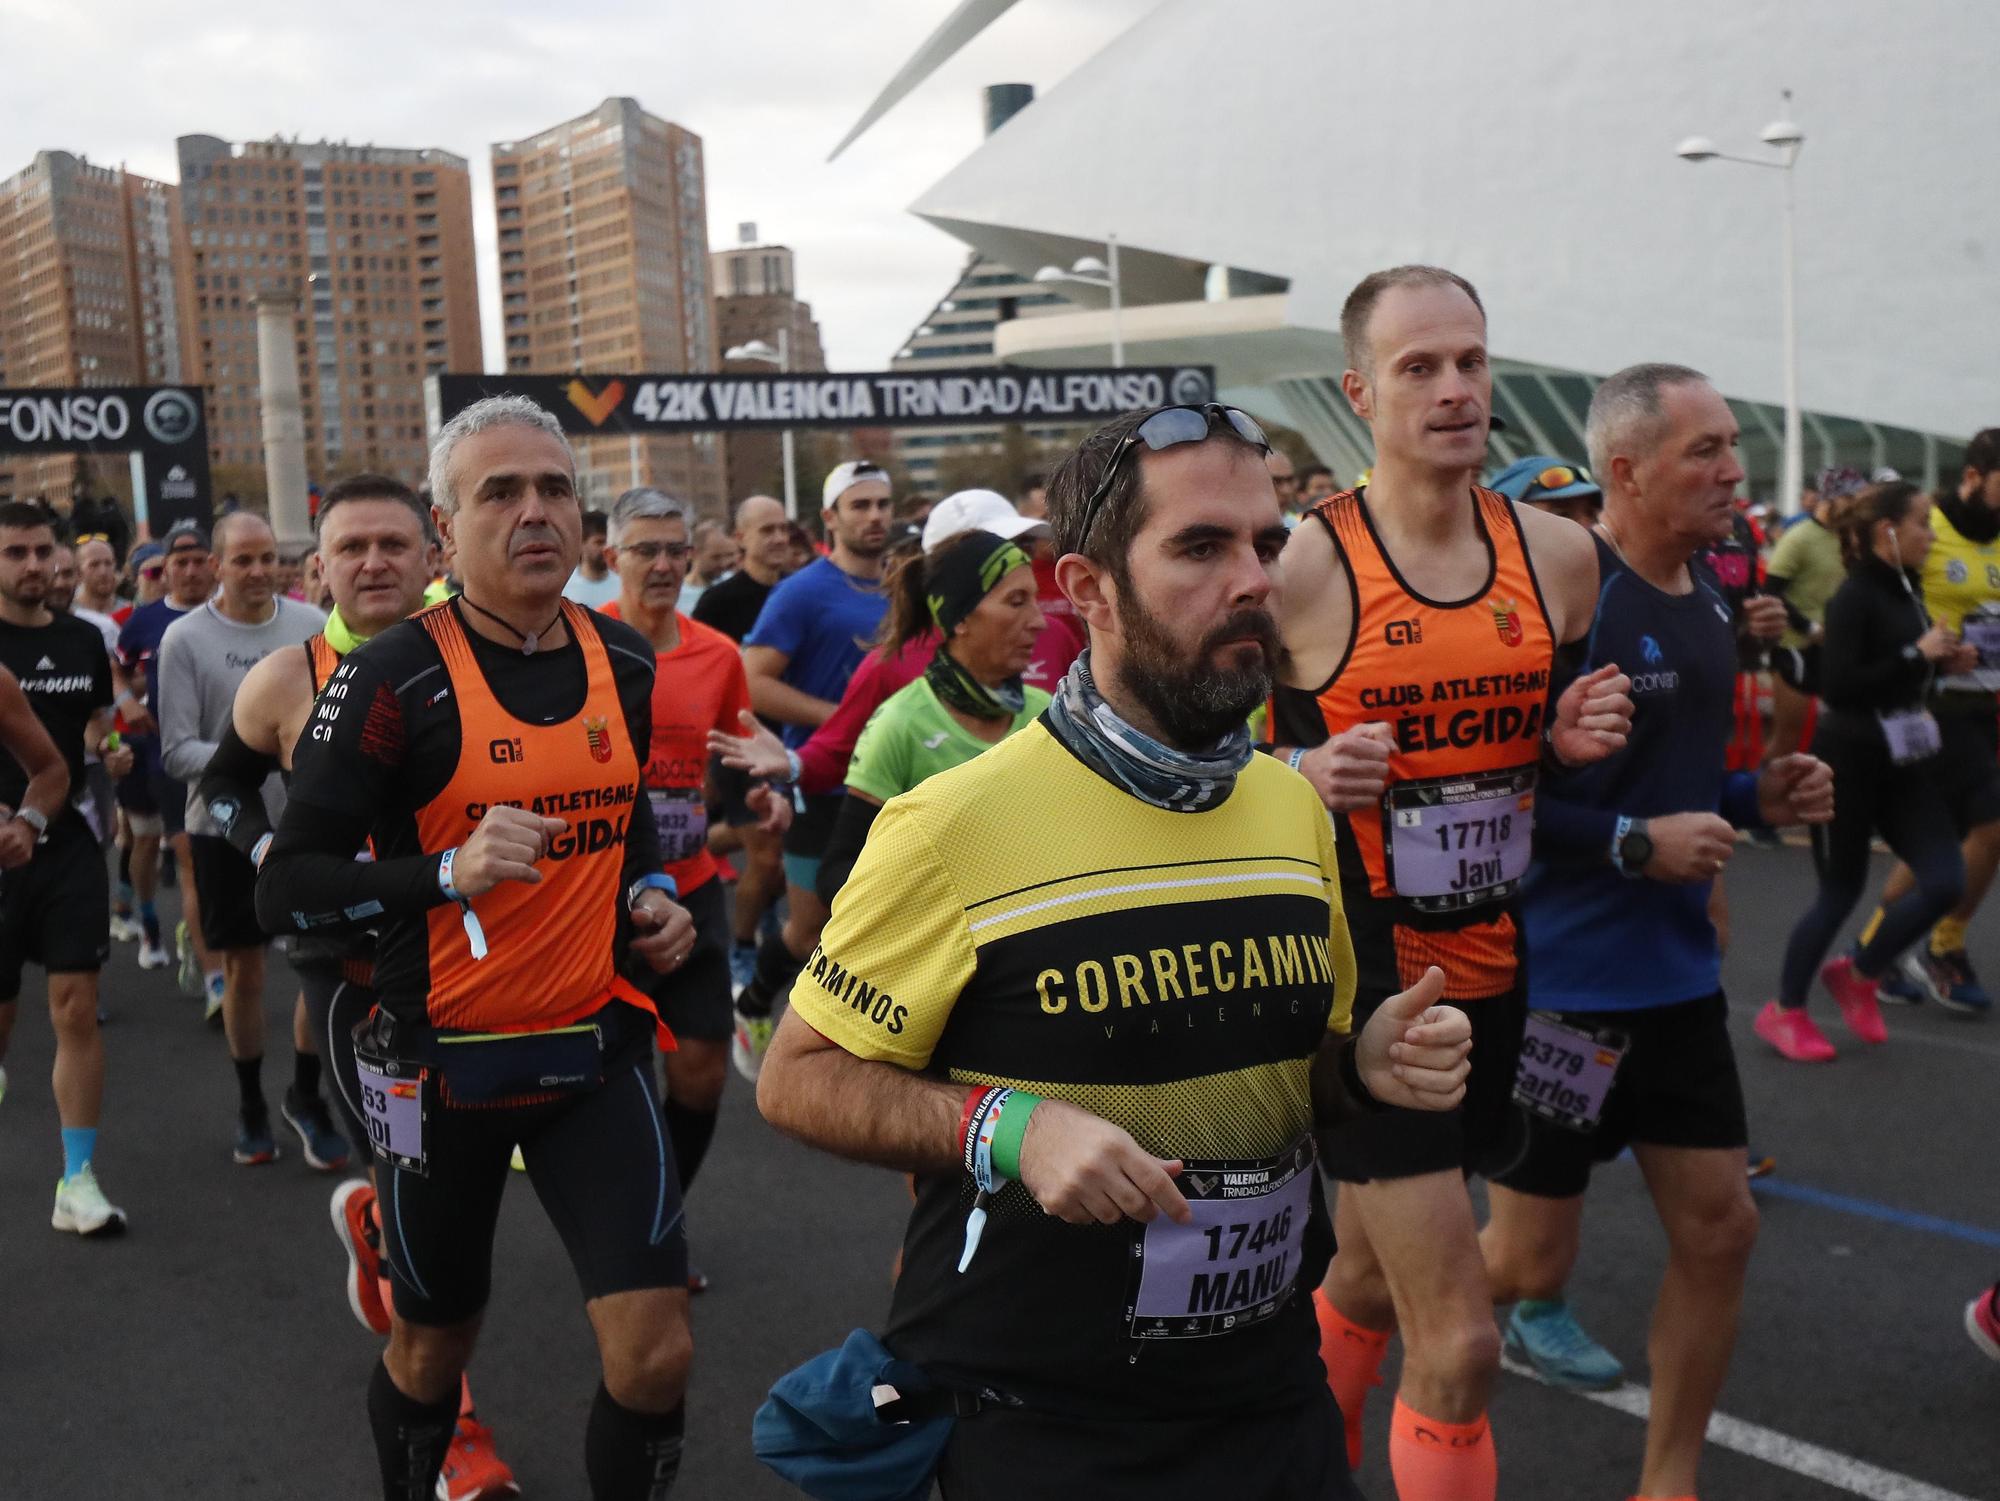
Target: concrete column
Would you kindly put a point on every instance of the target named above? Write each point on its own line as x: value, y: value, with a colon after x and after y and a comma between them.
x: 284, y: 416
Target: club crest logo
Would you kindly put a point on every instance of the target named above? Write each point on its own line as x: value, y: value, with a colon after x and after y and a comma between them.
x: 1507, y: 621
x: 598, y: 733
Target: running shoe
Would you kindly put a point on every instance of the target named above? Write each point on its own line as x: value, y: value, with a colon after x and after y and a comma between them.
x: 1904, y: 984
x: 211, y: 1006
x: 1952, y: 984
x: 742, y: 967
x: 751, y: 1042
x: 697, y: 1281
x: 153, y: 955
x: 1982, y: 1322
x: 1551, y: 1341
x: 353, y: 1211
x: 255, y: 1145
x: 190, y: 975
x: 124, y: 928
x: 324, y: 1146
x: 1793, y: 1034
x: 1761, y: 1165
x: 472, y: 1470
x: 82, y: 1209
x: 517, y: 1162
x: 1854, y: 993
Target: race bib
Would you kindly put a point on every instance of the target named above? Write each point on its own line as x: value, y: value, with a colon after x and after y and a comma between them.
x: 1236, y: 1264
x: 1912, y: 734
x: 1982, y: 633
x: 1457, y: 842
x: 680, y: 814
x: 393, y: 1107
x: 1564, y: 1073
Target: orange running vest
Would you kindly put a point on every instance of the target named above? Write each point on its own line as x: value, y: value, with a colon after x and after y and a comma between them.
x: 1464, y: 685
x: 549, y: 955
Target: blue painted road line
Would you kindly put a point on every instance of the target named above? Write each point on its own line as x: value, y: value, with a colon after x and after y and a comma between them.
x: 1868, y: 1209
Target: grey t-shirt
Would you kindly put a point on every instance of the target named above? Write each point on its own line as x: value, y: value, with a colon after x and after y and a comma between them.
x: 204, y: 658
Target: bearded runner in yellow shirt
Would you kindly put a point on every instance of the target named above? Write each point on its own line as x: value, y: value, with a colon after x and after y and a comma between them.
x: 1094, y: 986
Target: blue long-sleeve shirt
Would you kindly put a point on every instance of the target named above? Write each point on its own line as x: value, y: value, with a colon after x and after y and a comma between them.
x: 1597, y: 941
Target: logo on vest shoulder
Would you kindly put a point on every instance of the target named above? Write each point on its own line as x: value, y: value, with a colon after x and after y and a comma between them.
x: 597, y: 733
x: 1403, y: 633
x: 1507, y: 621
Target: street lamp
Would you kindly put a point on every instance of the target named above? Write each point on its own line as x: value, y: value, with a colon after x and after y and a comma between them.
x: 781, y: 357
x: 1089, y: 271
x: 1785, y: 139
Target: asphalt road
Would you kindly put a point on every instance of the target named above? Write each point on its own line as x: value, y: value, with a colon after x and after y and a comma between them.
x: 210, y: 1352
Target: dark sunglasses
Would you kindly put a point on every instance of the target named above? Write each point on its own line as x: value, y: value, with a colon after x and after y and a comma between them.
x: 1167, y: 428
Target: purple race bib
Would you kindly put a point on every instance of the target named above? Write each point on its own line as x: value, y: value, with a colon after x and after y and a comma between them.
x: 680, y: 814
x: 1564, y: 1074
x: 1237, y: 1263
x: 393, y: 1107
x: 1457, y: 842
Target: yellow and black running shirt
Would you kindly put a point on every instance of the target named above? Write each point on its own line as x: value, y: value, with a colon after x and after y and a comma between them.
x: 1962, y: 592
x: 1019, y: 920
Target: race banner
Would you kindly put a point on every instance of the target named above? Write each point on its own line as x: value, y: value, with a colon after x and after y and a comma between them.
x: 713, y: 403
x: 165, y: 426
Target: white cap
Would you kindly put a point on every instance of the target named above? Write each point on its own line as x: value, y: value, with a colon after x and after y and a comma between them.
x: 846, y: 476
x: 977, y: 511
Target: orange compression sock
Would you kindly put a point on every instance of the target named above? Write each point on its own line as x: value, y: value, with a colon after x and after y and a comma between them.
x: 1352, y: 1357
x: 1435, y: 1461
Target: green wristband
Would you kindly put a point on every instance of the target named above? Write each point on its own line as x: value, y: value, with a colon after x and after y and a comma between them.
x: 1013, y: 1125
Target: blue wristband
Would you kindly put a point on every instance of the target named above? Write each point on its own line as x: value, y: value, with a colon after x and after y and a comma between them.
x: 1298, y: 754
x: 653, y: 880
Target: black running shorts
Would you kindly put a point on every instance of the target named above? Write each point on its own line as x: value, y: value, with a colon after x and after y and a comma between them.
x: 1676, y: 1086
x: 56, y: 910
x: 1284, y: 1454
x: 1969, y: 761
x: 695, y: 999
x: 599, y: 1162
x: 226, y: 882
x: 1482, y: 1135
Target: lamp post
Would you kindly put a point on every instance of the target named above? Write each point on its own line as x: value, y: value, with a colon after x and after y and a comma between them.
x: 781, y: 357
x: 1785, y: 138
x: 1089, y: 271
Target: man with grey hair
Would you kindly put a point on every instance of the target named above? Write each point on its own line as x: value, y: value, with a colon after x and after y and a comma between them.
x: 1625, y: 852
x: 491, y: 749
x: 1421, y: 617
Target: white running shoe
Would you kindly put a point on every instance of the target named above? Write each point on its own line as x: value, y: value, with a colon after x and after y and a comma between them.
x: 211, y: 1009
x: 82, y: 1209
x: 153, y: 955
x: 750, y: 1043
x: 125, y: 929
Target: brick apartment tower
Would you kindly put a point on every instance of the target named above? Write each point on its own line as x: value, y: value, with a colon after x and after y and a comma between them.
x: 377, y: 243
x: 87, y: 298
x: 756, y: 294
x: 603, y: 234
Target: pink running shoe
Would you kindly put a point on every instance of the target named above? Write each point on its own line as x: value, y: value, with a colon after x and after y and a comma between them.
x: 1855, y: 995
x: 1793, y: 1034
x: 1982, y: 1322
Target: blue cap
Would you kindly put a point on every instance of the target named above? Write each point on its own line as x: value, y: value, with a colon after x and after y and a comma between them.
x: 1523, y: 480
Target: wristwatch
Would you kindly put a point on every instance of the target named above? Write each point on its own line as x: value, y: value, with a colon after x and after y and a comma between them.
x: 1631, y: 847
x: 657, y: 880
x: 37, y: 820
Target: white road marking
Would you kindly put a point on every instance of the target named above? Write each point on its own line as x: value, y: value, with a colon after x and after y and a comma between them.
x: 1855, y: 1476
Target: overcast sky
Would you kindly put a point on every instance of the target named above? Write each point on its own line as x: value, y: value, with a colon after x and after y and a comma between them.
x: 770, y: 85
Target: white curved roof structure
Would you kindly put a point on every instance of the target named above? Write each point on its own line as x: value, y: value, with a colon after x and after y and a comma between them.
x: 1302, y: 143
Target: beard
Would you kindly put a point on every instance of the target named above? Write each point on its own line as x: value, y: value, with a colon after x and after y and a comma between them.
x: 1194, y: 702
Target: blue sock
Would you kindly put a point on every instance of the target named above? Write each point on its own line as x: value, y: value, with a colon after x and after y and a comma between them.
x: 78, y: 1143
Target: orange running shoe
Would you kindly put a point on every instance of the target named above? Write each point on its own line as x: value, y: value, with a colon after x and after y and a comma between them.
x: 472, y: 1470
x: 353, y: 1212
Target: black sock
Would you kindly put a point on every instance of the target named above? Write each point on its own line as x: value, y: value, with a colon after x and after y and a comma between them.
x: 776, y: 969
x: 249, y: 1086
x: 305, y: 1076
x: 412, y: 1438
x: 690, y: 1131
x: 631, y: 1456
x: 125, y: 863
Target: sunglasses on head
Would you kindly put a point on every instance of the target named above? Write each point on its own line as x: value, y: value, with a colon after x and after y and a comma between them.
x: 92, y: 537
x: 1168, y: 428
x: 1561, y: 476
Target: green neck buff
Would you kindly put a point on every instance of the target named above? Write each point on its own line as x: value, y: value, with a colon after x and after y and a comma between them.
x: 338, y: 636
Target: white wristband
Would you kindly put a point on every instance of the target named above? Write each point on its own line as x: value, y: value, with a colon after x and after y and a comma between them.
x: 475, y: 935
x: 1298, y: 754
x: 444, y: 875
x: 794, y: 767
x: 257, y: 850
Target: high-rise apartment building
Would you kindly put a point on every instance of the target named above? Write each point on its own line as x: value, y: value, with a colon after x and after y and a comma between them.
x: 86, y: 297
x: 376, y: 243
x: 756, y: 298
x: 603, y: 233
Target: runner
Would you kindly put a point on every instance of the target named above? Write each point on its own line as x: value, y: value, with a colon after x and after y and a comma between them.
x: 1551, y: 484
x: 501, y: 1018
x: 373, y: 540
x: 204, y: 657
x: 811, y: 636
x: 972, y: 602
x: 54, y: 899
x: 1421, y: 616
x: 1620, y: 1054
x: 155, y: 804
x: 716, y: 556
x: 593, y: 583
x: 698, y: 688
x: 731, y: 607
x: 1961, y: 580
x: 1804, y: 570
x: 1882, y: 655
x: 1122, y: 1312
